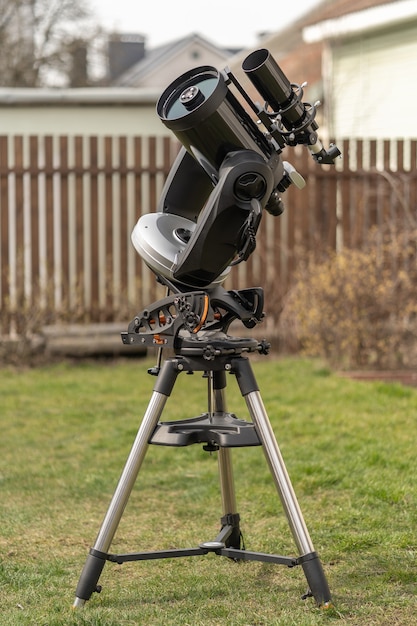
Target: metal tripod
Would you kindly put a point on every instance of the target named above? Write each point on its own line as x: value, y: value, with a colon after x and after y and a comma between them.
x: 215, y: 354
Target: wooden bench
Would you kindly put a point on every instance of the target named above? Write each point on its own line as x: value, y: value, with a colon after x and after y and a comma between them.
x: 87, y: 340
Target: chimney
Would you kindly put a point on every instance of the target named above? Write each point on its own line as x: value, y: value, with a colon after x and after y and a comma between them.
x: 78, y: 74
x: 124, y: 50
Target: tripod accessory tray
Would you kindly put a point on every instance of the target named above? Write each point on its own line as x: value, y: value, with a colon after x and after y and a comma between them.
x: 217, y: 429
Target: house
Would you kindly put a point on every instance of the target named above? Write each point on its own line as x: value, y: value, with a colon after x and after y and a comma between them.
x: 300, y: 61
x: 358, y: 58
x: 369, y: 61
x: 127, y: 107
x: 161, y: 65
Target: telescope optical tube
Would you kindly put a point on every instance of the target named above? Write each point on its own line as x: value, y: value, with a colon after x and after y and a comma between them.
x: 273, y: 85
x: 208, y: 120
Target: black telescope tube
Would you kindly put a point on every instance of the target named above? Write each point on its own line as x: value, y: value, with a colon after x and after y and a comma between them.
x: 273, y: 85
x: 208, y: 119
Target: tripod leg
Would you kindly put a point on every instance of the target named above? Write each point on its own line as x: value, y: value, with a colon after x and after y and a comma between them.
x: 308, y: 557
x: 94, y: 565
x: 217, y: 385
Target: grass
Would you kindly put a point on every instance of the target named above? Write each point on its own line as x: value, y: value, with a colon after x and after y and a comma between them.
x: 349, y: 448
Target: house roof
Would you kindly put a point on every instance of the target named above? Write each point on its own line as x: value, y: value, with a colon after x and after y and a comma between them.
x: 329, y: 9
x: 301, y: 60
x: 373, y: 16
x: 88, y: 96
x: 288, y: 44
x: 290, y: 36
x: 146, y: 66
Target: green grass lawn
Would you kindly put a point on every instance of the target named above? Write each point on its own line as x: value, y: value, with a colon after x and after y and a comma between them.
x: 349, y: 448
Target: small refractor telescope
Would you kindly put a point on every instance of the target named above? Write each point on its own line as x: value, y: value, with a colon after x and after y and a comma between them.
x: 227, y: 172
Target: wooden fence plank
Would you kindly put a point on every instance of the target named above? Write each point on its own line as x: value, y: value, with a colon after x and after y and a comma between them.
x: 31, y: 218
x: 4, y: 234
x: 79, y: 231
x: 123, y: 211
x: 49, y: 223
x: 345, y: 197
x: 63, y: 200
x: 94, y: 201
x: 153, y: 202
x: 411, y: 182
x: 105, y: 262
x: 137, y: 164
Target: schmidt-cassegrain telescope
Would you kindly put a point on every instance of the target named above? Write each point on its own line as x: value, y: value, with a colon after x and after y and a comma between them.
x: 228, y: 171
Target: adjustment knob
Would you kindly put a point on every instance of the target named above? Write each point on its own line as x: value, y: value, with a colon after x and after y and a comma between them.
x: 191, y: 97
x: 250, y: 185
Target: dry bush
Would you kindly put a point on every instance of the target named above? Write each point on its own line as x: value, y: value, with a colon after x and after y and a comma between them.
x: 357, y: 308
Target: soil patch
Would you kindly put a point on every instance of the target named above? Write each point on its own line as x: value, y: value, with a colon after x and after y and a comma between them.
x: 404, y: 377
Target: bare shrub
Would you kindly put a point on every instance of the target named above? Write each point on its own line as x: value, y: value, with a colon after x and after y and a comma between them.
x: 357, y: 308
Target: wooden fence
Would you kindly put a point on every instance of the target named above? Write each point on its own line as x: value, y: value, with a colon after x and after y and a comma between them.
x: 68, y: 206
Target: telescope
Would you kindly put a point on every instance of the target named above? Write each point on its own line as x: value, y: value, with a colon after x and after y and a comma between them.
x: 227, y: 172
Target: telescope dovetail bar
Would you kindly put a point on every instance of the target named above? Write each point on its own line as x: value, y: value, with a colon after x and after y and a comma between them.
x: 226, y: 174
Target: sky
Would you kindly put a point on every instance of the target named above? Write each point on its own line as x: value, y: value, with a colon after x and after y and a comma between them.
x: 226, y: 23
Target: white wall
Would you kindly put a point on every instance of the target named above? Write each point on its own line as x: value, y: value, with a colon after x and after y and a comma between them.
x: 373, y: 87
x: 73, y: 120
x: 80, y: 112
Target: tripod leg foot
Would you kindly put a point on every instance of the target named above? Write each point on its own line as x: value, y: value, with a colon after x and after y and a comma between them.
x: 87, y: 583
x: 316, y: 580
